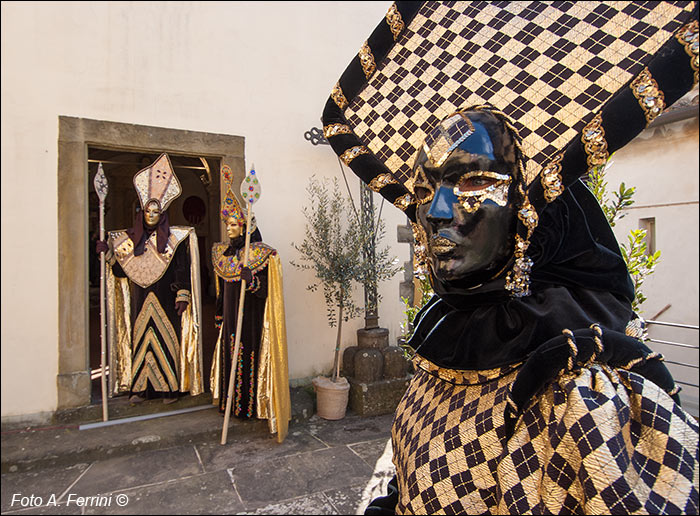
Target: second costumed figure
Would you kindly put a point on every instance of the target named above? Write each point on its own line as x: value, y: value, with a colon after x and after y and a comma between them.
x: 261, y: 379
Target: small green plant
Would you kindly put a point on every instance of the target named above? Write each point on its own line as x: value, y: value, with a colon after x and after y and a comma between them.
x: 333, y: 248
x: 410, y: 311
x: 640, y: 263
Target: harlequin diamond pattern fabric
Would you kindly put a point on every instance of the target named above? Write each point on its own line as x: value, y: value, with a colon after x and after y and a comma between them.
x: 550, y: 66
x: 599, y: 441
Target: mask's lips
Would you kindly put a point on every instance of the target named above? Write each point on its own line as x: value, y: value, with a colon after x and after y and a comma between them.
x: 440, y: 245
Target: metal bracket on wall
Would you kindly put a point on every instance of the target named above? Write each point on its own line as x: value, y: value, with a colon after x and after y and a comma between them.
x: 315, y: 136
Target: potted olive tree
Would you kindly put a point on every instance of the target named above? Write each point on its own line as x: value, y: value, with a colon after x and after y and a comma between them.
x: 332, y: 248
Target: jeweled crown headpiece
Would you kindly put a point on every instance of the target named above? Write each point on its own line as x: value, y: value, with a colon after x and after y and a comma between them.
x: 157, y: 181
x: 575, y: 80
x: 230, y: 207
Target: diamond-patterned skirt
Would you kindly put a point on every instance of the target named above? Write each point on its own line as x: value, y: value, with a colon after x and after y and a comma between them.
x: 597, y: 441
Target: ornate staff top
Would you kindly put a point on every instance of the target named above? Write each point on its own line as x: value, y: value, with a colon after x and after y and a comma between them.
x: 250, y: 187
x: 100, y: 182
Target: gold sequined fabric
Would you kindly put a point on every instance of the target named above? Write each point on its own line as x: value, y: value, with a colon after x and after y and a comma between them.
x: 600, y: 441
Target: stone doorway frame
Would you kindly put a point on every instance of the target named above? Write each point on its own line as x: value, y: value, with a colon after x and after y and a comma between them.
x: 74, y: 137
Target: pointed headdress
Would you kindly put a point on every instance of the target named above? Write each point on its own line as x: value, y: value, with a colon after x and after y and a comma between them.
x: 230, y: 207
x: 575, y: 81
x: 157, y: 182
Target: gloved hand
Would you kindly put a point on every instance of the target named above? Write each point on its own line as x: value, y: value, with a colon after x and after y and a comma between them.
x: 101, y: 246
x: 246, y: 275
x: 180, y: 307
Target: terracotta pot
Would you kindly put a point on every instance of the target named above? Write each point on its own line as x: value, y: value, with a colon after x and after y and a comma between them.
x: 331, y: 398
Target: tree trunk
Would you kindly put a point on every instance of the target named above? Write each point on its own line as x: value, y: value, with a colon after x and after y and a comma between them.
x: 336, y: 359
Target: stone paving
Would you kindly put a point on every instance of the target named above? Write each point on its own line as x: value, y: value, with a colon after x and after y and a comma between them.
x: 322, y: 467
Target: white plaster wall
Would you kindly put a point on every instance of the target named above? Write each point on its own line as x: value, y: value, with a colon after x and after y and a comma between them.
x: 262, y: 70
x: 662, y: 164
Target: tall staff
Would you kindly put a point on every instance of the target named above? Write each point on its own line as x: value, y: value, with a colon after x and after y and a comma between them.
x: 250, y: 191
x: 101, y: 188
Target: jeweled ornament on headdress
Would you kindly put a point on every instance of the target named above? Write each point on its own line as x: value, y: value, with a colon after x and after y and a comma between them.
x: 230, y: 207
x: 229, y: 204
x: 157, y: 181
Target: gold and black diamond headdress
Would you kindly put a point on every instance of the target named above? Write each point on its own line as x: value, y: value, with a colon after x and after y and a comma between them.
x: 578, y: 80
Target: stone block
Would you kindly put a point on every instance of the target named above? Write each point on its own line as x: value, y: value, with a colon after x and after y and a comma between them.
x: 348, y: 364
x: 73, y: 389
x: 376, y: 398
x: 369, y: 364
x: 395, y: 363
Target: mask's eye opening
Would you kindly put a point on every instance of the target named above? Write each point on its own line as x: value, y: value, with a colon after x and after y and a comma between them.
x: 476, y: 181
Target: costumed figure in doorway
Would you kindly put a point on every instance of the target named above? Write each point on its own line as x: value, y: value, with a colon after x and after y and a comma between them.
x: 534, y: 391
x: 261, y: 378
x: 154, y: 300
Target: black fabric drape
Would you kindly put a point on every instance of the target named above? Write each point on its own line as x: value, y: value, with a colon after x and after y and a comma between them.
x: 176, y: 277
x: 227, y: 302
x: 245, y: 383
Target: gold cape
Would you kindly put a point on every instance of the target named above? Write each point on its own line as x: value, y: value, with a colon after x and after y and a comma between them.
x: 119, y: 331
x: 272, y: 396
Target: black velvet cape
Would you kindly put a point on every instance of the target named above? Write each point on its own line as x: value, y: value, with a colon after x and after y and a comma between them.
x: 245, y: 386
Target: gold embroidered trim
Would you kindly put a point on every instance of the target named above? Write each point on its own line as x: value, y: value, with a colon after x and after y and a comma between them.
x: 338, y: 96
x: 146, y: 269
x: 688, y: 37
x: 352, y: 153
x: 635, y: 328
x: 228, y: 268
x: 471, y: 200
x: 598, y: 340
x: 183, y: 295
x: 420, y: 250
x: 396, y: 24
x: 551, y: 179
x: 419, y: 179
x: 637, y: 361
x: 528, y: 215
x: 150, y: 349
x: 518, y: 279
x: 509, y: 400
x: 650, y: 97
x: 404, y: 202
x: 367, y: 60
x: 594, y: 143
x: 573, y: 350
x: 463, y: 376
x: 381, y: 181
x: 335, y: 129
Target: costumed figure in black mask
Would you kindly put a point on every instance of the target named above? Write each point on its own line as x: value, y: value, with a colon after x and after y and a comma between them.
x: 534, y: 392
x: 153, y: 293
x: 261, y: 388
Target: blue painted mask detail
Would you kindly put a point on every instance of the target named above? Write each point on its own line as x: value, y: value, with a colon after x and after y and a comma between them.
x: 479, y: 142
x: 442, y: 204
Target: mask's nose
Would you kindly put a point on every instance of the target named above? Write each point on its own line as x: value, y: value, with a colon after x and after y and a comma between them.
x: 442, y: 204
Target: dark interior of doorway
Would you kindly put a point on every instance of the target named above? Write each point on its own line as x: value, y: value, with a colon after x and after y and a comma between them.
x: 197, y: 206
